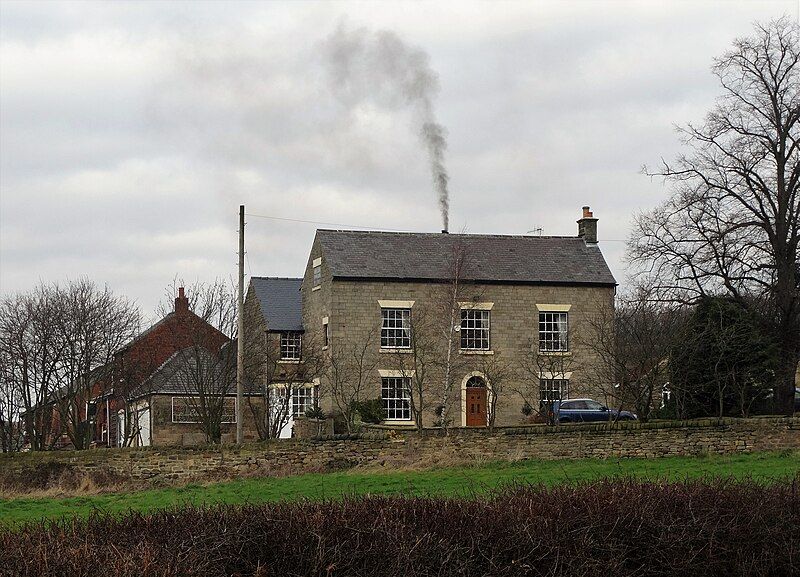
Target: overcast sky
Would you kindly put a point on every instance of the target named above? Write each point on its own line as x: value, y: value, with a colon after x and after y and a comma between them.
x: 130, y: 133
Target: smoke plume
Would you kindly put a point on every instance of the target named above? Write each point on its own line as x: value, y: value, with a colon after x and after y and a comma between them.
x: 379, y: 67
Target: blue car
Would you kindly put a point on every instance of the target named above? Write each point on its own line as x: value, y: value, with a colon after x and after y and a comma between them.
x: 585, y: 411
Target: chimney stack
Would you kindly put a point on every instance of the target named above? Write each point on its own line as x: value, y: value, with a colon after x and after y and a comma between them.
x: 181, y: 303
x: 587, y: 227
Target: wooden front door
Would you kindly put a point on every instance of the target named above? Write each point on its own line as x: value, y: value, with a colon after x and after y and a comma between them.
x: 476, y: 406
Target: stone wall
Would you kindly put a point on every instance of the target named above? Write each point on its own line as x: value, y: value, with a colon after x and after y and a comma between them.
x: 390, y: 448
x: 165, y: 432
x: 355, y: 317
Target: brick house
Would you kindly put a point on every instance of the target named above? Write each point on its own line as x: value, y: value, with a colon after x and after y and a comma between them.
x: 129, y: 397
x: 514, y: 301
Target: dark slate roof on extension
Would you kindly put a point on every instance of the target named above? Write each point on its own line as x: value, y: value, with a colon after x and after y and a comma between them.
x: 176, y: 375
x: 489, y: 258
x: 280, y: 302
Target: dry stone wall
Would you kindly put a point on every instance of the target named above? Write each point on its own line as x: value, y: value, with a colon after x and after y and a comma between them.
x: 392, y: 448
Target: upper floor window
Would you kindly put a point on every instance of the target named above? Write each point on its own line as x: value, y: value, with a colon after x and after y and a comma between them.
x: 475, y: 329
x: 317, y: 265
x: 396, y: 328
x: 396, y: 396
x: 553, y: 331
x: 291, y: 345
x: 326, y: 333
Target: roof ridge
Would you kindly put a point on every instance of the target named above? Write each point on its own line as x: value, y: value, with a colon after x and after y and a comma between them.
x: 451, y: 234
x: 276, y: 277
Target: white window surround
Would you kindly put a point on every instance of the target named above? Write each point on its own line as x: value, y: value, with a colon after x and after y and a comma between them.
x: 566, y: 375
x: 553, y: 308
x: 396, y: 398
x: 389, y: 304
x: 469, y: 305
x: 395, y: 373
x: 316, y: 271
x: 475, y: 330
x: 475, y: 352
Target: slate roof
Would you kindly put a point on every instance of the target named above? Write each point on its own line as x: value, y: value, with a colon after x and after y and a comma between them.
x: 173, y: 376
x: 280, y: 302
x: 489, y: 258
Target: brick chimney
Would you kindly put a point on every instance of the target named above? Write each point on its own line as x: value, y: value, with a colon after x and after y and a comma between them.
x: 181, y: 303
x: 587, y: 227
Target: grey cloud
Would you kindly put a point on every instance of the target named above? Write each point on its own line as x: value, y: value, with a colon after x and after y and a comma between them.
x: 130, y: 133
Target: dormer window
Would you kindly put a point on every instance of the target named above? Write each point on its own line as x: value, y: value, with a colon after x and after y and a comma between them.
x: 291, y: 345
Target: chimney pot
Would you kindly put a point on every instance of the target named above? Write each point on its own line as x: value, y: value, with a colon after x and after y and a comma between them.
x: 444, y: 231
x: 587, y: 227
x: 181, y: 303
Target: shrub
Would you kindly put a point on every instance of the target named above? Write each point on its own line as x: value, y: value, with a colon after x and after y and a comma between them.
x: 315, y: 413
x: 611, y: 527
x: 371, y: 411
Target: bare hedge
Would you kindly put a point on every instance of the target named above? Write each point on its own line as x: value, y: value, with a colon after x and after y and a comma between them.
x: 611, y: 527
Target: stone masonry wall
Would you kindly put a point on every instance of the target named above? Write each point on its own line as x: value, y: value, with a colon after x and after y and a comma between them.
x: 355, y: 316
x: 391, y: 448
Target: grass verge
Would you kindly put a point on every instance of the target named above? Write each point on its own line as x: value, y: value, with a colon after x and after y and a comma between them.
x: 450, y: 482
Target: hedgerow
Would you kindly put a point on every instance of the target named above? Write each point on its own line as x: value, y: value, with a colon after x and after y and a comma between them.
x: 610, y: 527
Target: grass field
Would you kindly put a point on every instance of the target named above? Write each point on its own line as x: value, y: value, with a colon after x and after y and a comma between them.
x: 463, y: 481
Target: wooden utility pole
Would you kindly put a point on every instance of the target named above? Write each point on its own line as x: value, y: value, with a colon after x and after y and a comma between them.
x: 240, y: 336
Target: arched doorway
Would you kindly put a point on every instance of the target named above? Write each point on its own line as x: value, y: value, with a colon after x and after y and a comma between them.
x: 476, y: 397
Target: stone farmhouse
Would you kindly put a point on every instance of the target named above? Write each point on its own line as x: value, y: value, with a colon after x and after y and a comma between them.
x: 471, y: 329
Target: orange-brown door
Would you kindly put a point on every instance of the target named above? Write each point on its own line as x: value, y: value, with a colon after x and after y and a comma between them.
x: 476, y: 406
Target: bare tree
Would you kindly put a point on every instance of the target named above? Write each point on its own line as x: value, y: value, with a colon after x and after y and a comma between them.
x: 732, y: 225
x: 420, y: 364
x: 447, y: 305
x: 282, y: 379
x: 31, y: 352
x: 351, y: 368
x: 632, y: 346
x: 57, y: 342
x: 541, y: 378
x: 10, y: 408
x: 91, y: 324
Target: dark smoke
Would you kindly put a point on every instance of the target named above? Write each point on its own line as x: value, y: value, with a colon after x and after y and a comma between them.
x: 379, y: 67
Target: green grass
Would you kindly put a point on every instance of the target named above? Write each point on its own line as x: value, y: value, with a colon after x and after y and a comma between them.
x: 464, y: 481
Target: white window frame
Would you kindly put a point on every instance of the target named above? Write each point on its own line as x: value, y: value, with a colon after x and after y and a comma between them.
x: 316, y: 271
x: 551, y: 338
x: 551, y: 390
x: 194, y: 409
x: 394, y: 335
x: 396, y: 397
x: 291, y: 346
x: 472, y: 331
x: 306, y: 393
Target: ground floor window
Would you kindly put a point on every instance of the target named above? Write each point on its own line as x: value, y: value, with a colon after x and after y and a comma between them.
x: 551, y: 390
x: 303, y: 399
x: 396, y: 396
x: 187, y: 409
